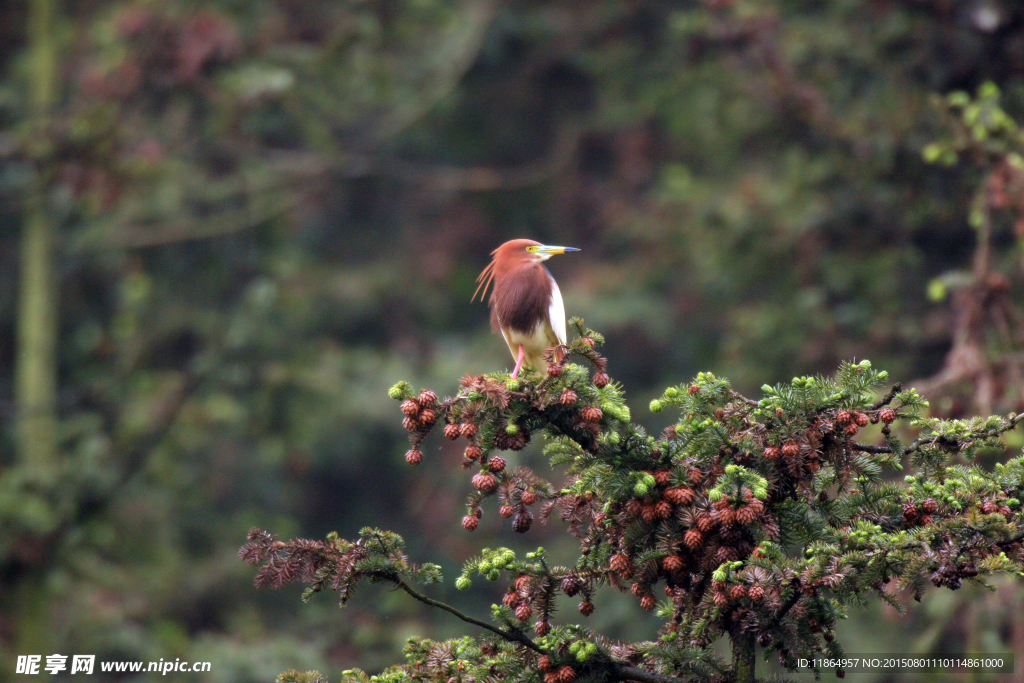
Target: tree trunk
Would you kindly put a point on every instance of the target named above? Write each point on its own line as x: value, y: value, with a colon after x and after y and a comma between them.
x: 743, y: 657
x: 36, y: 373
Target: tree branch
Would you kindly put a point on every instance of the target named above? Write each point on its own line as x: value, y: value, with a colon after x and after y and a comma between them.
x: 887, y: 399
x: 517, y: 636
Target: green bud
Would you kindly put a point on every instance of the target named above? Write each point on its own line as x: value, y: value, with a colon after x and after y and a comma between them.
x: 512, y: 385
x: 656, y: 406
x: 463, y: 583
x: 396, y: 392
x: 613, y: 439
x: 474, y: 396
x: 715, y: 495
x: 640, y: 489
x: 719, y: 574
x: 511, y: 429
x: 650, y: 480
x: 581, y: 656
x: 671, y: 392
x: 493, y: 575
x: 591, y: 648
x: 574, y: 647
x: 484, y: 567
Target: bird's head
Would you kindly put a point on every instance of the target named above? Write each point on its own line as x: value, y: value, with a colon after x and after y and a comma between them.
x: 515, y: 254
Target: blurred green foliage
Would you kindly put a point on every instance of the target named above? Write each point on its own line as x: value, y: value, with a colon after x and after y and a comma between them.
x: 270, y: 211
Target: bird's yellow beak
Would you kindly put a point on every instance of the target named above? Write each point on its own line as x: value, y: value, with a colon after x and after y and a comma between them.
x: 551, y: 251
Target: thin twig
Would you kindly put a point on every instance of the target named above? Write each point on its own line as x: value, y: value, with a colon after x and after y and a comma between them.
x: 887, y: 399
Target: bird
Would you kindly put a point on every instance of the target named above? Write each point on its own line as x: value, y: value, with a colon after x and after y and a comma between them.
x: 526, y: 306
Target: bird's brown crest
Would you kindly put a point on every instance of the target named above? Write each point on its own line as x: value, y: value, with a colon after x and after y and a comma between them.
x: 503, y: 259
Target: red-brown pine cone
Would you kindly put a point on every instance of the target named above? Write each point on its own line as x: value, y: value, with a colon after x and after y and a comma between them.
x: 524, y: 612
x: 746, y: 514
x: 721, y: 599
x: 926, y: 520
x: 600, y: 380
x: 528, y: 497
x: 496, y: 464
x: 591, y: 414
x: 772, y: 453
x: 506, y: 511
x: 410, y: 408
x: 511, y: 599
x: 1006, y: 512
x: 568, y: 397
x: 887, y: 415
x: 790, y: 448
x: 620, y: 564
x: 544, y: 663
x: 728, y: 516
x: 705, y: 524
x: 485, y: 482
x: 586, y: 608
x: 648, y: 602
x: 542, y: 628
x: 696, y: 476
x: 909, y: 512
x: 672, y: 563
x: 844, y: 417
x: 680, y: 495
x: 473, y: 452
x: 411, y: 424
x: 756, y: 593
x: 738, y: 591
x: 468, y: 429
x: 522, y: 522
x: 862, y: 419
x: 452, y: 431
x: 566, y: 674
x: 633, y: 507
x: 693, y: 389
x: 551, y: 677
x: 693, y: 538
x: 649, y: 514
x: 414, y: 456
x: 427, y: 398
x: 427, y: 417
x: 663, y: 509
x: 523, y: 583
x: 555, y: 370
x: 571, y: 585
x: 851, y: 429
x: 663, y: 477
x: 470, y: 522
x: 639, y: 590
x: 930, y: 507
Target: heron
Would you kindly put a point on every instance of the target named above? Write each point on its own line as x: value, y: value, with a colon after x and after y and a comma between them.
x: 526, y: 306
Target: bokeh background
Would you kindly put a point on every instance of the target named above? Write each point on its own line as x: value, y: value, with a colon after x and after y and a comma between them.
x: 228, y: 226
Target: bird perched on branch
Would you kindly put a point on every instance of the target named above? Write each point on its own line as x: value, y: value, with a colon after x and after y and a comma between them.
x: 526, y: 306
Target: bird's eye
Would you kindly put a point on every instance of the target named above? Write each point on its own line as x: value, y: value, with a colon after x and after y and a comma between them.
x: 532, y: 249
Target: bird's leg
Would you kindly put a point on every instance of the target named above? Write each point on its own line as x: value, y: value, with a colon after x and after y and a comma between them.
x: 519, y: 363
x: 559, y: 354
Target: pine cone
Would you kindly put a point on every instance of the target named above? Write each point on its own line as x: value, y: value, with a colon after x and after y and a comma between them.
x: 410, y: 408
x: 566, y: 674
x: 555, y: 370
x: 693, y: 389
x: 672, y: 563
x: 506, y: 511
x: 473, y: 452
x: 568, y: 397
x: 930, y: 507
x: 496, y: 464
x: 746, y: 514
x: 524, y: 612
x: 862, y: 420
x: 649, y: 514
x: 523, y: 520
x: 772, y: 453
x: 470, y: 522
x: 648, y: 602
x: 427, y: 398
x: 851, y: 429
x: 681, y: 495
x: 909, y: 512
x: 511, y: 599
x: 663, y: 477
x: 571, y: 585
x: 468, y: 429
x: 551, y: 677
x: 452, y: 431
x: 988, y: 507
x: 721, y: 599
x: 427, y: 417
x: 410, y: 424
x: 887, y: 415
x: 591, y: 414
x: 544, y: 663
x: 663, y: 509
x: 791, y: 448
x: 414, y: 456
x: 528, y: 497
x: 485, y: 482
x: 696, y: 476
x: 639, y: 590
x: 705, y: 524
x: 844, y: 417
x: 542, y: 628
x: 620, y: 564
x: 738, y: 591
x: 586, y: 608
x: 693, y: 538
x: 756, y: 593
x: 600, y: 380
